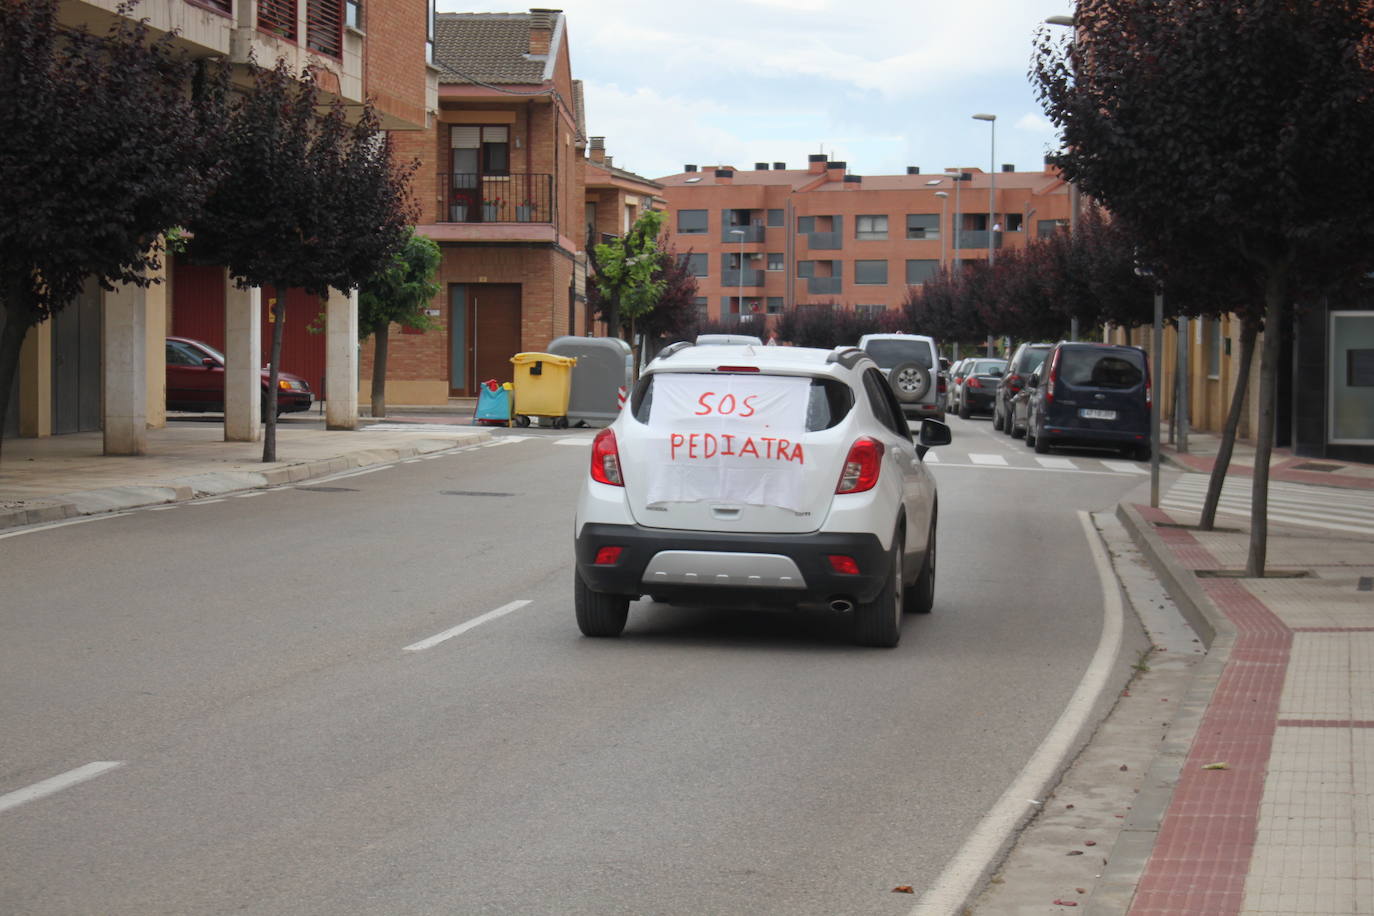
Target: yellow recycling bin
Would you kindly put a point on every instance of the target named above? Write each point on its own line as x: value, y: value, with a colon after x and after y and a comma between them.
x: 543, y: 384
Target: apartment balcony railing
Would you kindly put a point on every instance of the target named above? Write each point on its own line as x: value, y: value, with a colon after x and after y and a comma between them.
x: 751, y: 234
x: 823, y: 286
x: 825, y: 241
x: 516, y: 198
x: 976, y: 238
x: 731, y: 278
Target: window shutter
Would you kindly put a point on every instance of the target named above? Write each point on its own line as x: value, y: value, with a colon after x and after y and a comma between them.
x: 462, y: 137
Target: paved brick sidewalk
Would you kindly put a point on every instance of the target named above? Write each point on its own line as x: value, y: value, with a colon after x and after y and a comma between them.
x: 1284, y: 823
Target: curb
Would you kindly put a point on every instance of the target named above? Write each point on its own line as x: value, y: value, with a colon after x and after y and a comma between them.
x: 216, y: 483
x: 1113, y: 893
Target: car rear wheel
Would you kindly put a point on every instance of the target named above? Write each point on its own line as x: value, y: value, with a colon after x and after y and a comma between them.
x: 598, y: 614
x: 878, y: 622
x: 1016, y: 432
x: 964, y: 412
x: 920, y: 598
x: 1042, y: 446
x: 910, y: 381
x: 996, y: 419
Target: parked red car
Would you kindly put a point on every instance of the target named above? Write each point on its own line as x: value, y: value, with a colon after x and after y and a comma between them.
x: 195, y: 380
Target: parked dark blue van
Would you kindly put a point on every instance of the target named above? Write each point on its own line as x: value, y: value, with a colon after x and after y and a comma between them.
x: 1091, y: 394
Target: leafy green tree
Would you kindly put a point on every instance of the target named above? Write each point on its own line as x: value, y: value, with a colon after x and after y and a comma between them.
x: 1214, y: 130
x: 305, y: 202
x: 628, y: 275
x: 101, y: 149
x: 397, y: 294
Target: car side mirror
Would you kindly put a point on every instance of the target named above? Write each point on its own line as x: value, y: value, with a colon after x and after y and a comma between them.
x: 209, y: 362
x: 934, y: 433
x: 1034, y: 380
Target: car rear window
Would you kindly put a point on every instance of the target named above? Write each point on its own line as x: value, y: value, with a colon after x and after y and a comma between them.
x: 890, y: 353
x: 1030, y: 359
x: 1091, y: 368
x: 830, y: 401
x: 987, y: 367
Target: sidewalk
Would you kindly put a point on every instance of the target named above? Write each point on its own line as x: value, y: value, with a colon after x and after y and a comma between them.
x: 47, y: 480
x: 1271, y: 811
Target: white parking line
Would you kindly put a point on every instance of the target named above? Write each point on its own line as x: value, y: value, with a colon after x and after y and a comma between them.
x: 57, y: 783
x: 931, y: 457
x: 206, y: 502
x: 1126, y: 467
x: 573, y: 440
x: 462, y: 628
x: 1057, y: 463
x: 995, y: 460
x: 961, y: 875
x: 62, y: 524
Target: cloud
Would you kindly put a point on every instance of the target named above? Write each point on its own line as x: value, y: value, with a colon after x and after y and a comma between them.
x: 1036, y: 124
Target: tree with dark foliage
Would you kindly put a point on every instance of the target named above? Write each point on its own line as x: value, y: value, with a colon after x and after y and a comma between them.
x: 1214, y: 130
x: 398, y: 294
x: 305, y: 202
x: 101, y: 150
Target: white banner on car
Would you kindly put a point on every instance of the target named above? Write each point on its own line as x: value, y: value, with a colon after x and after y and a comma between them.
x: 732, y: 438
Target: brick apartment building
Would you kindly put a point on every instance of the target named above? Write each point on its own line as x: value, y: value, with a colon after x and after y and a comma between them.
x: 768, y: 239
x: 100, y: 363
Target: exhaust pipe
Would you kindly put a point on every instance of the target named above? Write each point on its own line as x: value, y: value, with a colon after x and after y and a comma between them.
x: 841, y: 605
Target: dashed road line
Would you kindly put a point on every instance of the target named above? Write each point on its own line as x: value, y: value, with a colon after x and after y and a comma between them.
x: 462, y: 628
x: 988, y: 460
x: 1055, y: 463
x: 57, y: 783
x: 1125, y: 467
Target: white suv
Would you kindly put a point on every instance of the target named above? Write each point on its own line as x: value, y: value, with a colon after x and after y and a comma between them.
x: 912, y: 364
x: 760, y: 477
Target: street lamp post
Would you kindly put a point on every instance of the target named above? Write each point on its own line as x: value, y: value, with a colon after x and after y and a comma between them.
x: 944, y: 225
x: 741, y: 233
x: 958, y: 252
x: 992, y: 183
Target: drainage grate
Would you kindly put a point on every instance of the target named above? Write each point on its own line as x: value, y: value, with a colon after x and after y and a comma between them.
x: 328, y: 489
x: 472, y: 493
x: 1309, y: 466
x: 1366, y: 584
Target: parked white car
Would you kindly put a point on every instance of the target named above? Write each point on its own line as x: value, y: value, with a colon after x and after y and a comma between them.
x: 760, y: 477
x: 912, y: 364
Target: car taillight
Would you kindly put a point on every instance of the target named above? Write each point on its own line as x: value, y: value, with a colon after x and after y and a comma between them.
x: 844, y: 565
x: 608, y: 556
x: 861, y: 466
x: 1148, y: 394
x: 974, y: 383
x: 941, y: 387
x: 606, y: 459
x: 1054, y: 377
x: 1014, y: 382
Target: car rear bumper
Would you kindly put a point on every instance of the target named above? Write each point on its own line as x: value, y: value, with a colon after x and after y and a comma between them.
x: 712, y: 567
x: 1093, y: 436
x: 974, y: 399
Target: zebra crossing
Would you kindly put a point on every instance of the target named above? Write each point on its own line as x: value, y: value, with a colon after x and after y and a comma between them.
x: 1347, y: 511
x: 1029, y: 462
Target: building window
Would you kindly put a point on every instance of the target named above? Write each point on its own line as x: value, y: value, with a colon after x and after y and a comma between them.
x: 1046, y: 227
x: 870, y: 311
x: 1351, y: 380
x: 324, y: 21
x: 923, y: 226
x: 806, y: 268
x: 775, y: 305
x: 806, y: 225
x: 353, y: 14
x: 699, y: 303
x: 870, y: 273
x: 697, y: 264
x: 919, y: 271
x: 1214, y: 345
x: 479, y: 151
x: 774, y: 260
x: 775, y: 219
x: 691, y: 222
x: 870, y: 228
x: 429, y: 39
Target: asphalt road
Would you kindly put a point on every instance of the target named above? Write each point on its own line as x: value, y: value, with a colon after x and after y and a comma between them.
x: 281, y: 749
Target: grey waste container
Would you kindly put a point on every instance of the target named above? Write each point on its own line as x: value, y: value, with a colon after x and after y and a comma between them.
x: 603, y: 368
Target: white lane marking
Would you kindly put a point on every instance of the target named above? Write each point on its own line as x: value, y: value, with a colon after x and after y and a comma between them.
x: 931, y: 458
x: 573, y: 440
x: 462, y: 628
x: 1126, y: 467
x: 206, y: 502
x: 162, y: 508
x: 249, y: 495
x: 1057, y: 463
x: 62, y: 524
x: 450, y: 428
x: 987, y: 467
x: 949, y: 893
x: 57, y: 783
x: 380, y: 467
x: 993, y: 460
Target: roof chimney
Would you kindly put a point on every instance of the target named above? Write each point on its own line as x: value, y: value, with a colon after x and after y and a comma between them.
x: 608, y: 162
x: 835, y: 170
x: 761, y: 166
x: 541, y: 30
x: 725, y: 176
x: 913, y: 170
x: 598, y: 149
x: 815, y: 164
x: 689, y: 167
x: 779, y: 166
x: 1008, y: 166
x: 852, y: 182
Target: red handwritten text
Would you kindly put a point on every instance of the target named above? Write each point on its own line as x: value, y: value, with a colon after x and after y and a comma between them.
x: 701, y: 446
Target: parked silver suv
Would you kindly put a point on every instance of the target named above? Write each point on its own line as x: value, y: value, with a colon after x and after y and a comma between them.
x: 912, y: 365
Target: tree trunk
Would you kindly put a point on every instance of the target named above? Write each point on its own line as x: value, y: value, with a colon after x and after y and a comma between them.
x: 1264, y: 437
x: 1228, y: 432
x: 12, y: 335
x: 269, y: 436
x: 379, y: 371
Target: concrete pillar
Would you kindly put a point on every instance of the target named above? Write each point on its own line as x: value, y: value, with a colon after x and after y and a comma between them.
x: 341, y: 360
x: 155, y: 349
x: 125, y: 369
x: 243, y: 369
x: 35, y: 382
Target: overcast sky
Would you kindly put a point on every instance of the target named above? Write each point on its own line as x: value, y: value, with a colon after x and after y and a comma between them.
x: 880, y: 84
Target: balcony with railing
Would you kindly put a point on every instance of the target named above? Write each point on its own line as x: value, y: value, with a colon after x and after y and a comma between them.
x: 751, y: 234
x: 516, y: 198
x: 976, y: 238
x: 730, y: 277
x: 824, y: 241
x: 823, y: 286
